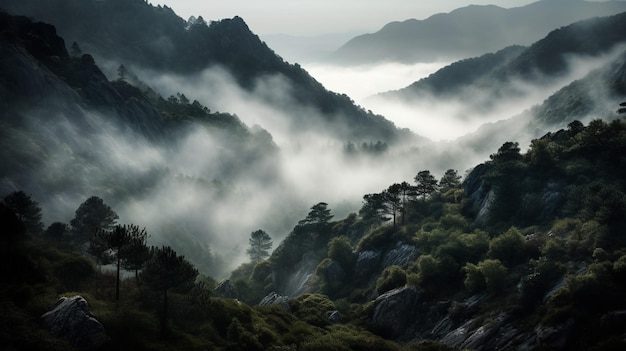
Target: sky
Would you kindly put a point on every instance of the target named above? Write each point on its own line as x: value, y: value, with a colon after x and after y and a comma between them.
x: 310, y: 18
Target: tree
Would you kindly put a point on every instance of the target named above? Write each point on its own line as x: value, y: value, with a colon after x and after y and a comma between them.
x: 165, y: 270
x: 56, y: 230
x: 260, y: 244
x: 319, y: 214
x: 509, y: 151
x: 373, y: 210
x: 91, y: 215
x: 340, y: 251
x: 622, y: 109
x: 121, y: 72
x: 393, y: 201
x: 118, y: 245
x: 136, y: 252
x: 450, y: 180
x: 75, y: 50
x: 27, y: 210
x: 426, y: 184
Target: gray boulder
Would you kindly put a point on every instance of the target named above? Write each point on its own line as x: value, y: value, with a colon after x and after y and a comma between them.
x: 402, y: 255
x: 394, y: 312
x: 225, y: 290
x: 71, y: 320
x: 274, y: 299
x: 366, y: 264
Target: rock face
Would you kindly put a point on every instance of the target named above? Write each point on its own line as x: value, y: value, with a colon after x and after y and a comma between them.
x: 275, y: 299
x: 225, y: 290
x: 366, y: 264
x: 401, y: 256
x: 394, y: 312
x: 71, y: 320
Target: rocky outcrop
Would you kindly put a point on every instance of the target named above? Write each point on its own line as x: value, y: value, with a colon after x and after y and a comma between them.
x: 394, y: 312
x: 273, y: 299
x: 71, y: 320
x: 366, y: 264
x: 402, y: 255
x: 225, y: 290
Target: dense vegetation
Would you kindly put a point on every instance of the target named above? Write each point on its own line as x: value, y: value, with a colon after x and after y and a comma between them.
x: 547, y: 247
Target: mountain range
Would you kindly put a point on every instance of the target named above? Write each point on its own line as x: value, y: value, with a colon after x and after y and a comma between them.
x: 468, y: 31
x: 525, y: 252
x: 144, y: 37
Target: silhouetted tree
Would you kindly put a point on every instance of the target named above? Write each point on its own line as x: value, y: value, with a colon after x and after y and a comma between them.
x: 75, y: 50
x: 393, y: 201
x: 91, y: 215
x: 373, y: 210
x: 449, y: 180
x: 260, y: 244
x: 118, y: 244
x: 509, y: 151
x: 57, y: 230
x: 319, y: 214
x: 426, y: 184
x: 121, y: 72
x: 136, y: 252
x: 165, y: 270
x: 27, y: 210
x: 622, y: 109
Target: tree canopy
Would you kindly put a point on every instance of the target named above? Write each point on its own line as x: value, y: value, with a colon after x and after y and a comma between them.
x: 91, y: 215
x: 260, y: 244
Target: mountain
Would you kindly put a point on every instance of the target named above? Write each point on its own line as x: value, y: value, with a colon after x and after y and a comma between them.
x: 154, y: 39
x: 468, y: 31
x: 563, y: 56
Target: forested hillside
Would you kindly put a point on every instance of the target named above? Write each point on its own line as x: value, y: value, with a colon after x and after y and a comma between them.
x: 155, y: 41
x: 528, y: 246
x: 468, y: 31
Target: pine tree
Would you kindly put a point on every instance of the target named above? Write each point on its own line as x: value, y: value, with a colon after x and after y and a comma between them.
x: 260, y: 244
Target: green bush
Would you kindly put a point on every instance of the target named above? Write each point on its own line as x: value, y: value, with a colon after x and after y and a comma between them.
x: 508, y: 247
x: 340, y: 251
x: 495, y: 275
x: 391, y: 278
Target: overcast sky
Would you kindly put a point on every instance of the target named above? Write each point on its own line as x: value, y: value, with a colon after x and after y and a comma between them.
x: 312, y: 17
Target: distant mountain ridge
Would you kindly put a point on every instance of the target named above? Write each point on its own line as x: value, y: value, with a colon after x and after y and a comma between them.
x: 137, y: 33
x: 468, y: 31
x: 545, y: 59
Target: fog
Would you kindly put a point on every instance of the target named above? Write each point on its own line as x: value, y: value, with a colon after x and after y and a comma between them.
x: 447, y: 118
x: 204, y: 190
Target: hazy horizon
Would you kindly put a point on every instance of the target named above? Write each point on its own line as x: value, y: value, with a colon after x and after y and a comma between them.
x: 311, y: 18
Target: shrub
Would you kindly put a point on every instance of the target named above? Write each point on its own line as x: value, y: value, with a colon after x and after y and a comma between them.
x: 508, y: 247
x: 340, y: 251
x: 391, y: 278
x: 495, y: 275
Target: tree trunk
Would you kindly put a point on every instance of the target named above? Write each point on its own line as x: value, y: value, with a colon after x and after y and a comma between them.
x: 117, y: 282
x: 164, y: 314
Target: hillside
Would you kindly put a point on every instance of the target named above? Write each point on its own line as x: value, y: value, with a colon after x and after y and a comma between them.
x: 144, y: 37
x: 468, y: 31
x: 529, y: 247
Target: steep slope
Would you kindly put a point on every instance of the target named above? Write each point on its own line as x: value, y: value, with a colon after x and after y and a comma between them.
x: 141, y: 35
x: 547, y: 58
x: 67, y: 133
x: 469, y: 31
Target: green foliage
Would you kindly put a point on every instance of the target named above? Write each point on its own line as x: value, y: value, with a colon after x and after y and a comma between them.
x: 474, y: 278
x: 426, y: 184
x: 27, y: 210
x: 260, y: 243
x: 495, y: 275
x: 392, y: 277
x: 340, y: 250
x: 57, y: 230
x: 92, y: 215
x: 508, y: 247
x: 314, y: 309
